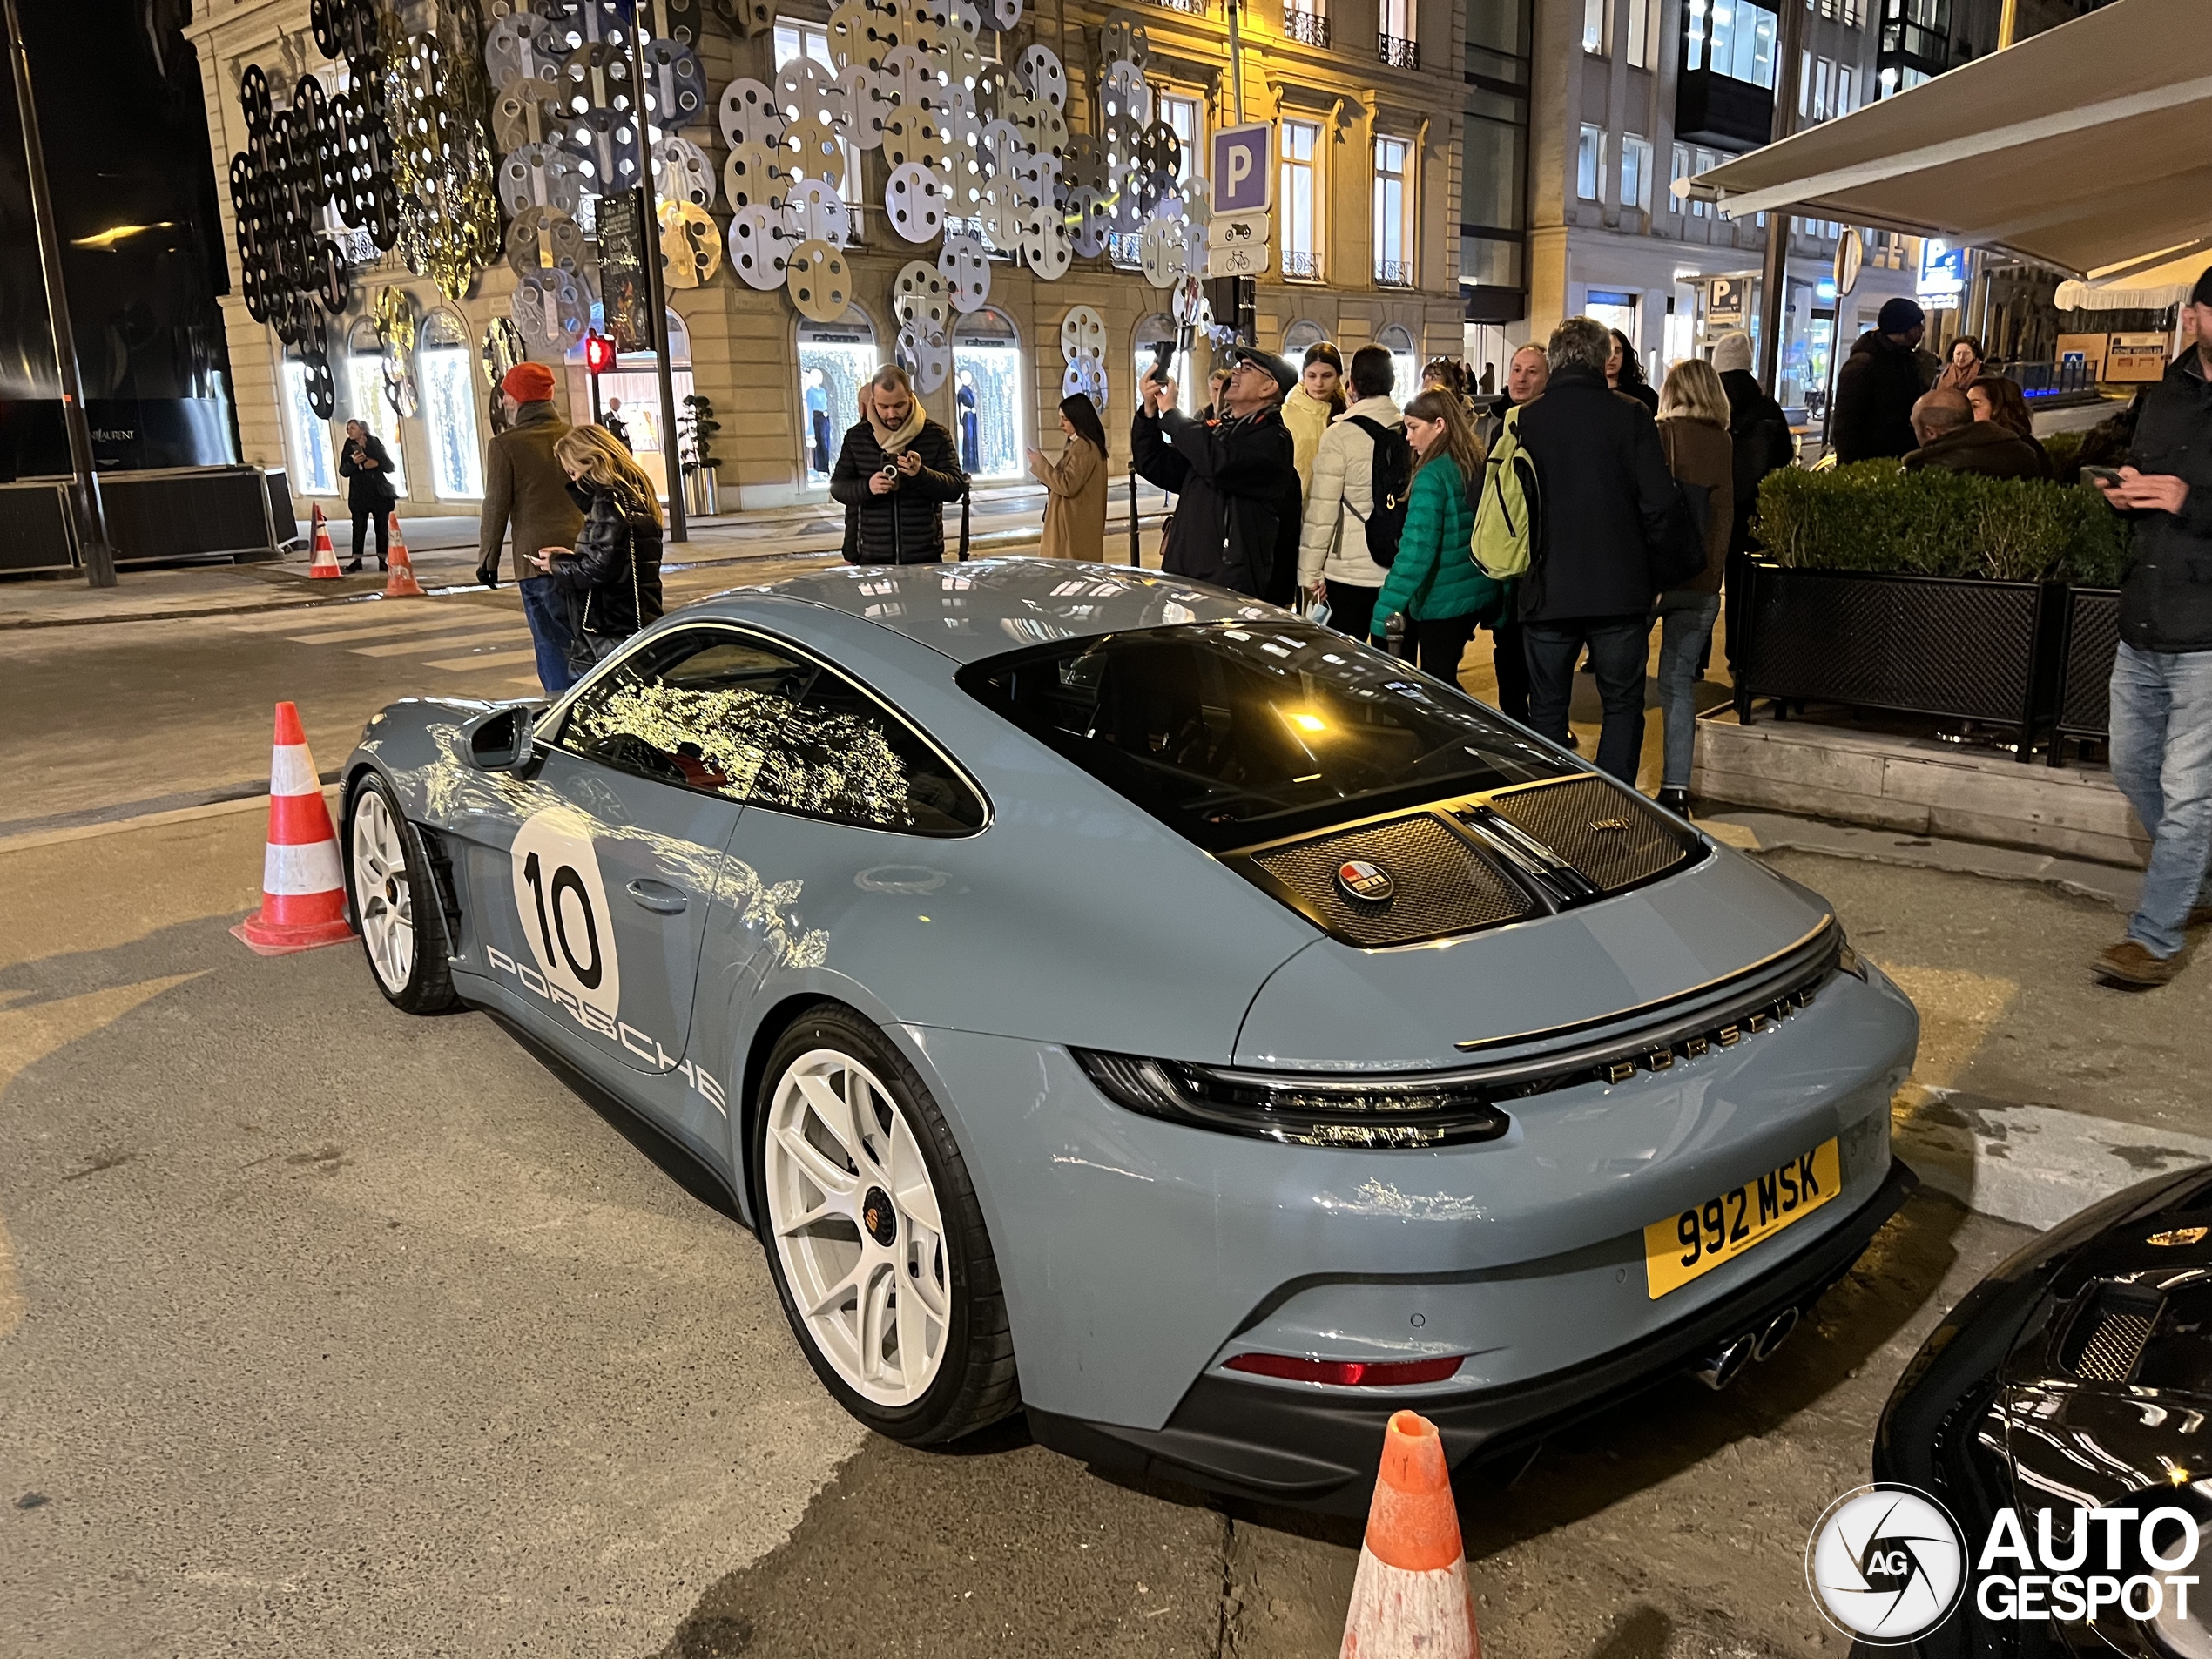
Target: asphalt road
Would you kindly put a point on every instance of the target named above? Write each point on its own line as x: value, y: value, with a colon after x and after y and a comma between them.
x: 326, y: 1331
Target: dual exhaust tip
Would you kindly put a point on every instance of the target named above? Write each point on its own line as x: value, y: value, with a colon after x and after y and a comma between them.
x: 1721, y: 1367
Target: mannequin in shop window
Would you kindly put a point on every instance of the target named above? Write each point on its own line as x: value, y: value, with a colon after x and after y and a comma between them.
x: 970, y: 430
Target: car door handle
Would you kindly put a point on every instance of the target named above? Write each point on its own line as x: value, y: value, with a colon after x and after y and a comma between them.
x: 658, y: 895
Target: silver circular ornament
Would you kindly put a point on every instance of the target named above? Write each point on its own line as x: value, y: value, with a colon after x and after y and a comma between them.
x: 915, y: 198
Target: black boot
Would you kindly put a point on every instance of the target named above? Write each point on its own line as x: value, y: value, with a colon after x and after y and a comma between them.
x: 354, y: 568
x: 1675, y: 799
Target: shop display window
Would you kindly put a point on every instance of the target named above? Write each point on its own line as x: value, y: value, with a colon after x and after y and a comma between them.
x: 449, y: 372
x: 987, y: 395
x: 315, y: 469
x: 835, y: 361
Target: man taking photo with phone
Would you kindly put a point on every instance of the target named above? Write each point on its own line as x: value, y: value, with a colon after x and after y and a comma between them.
x: 1235, y: 521
x: 896, y: 470
x: 2161, y: 677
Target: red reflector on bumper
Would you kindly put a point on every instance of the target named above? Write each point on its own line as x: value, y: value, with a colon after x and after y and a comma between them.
x: 1348, y: 1374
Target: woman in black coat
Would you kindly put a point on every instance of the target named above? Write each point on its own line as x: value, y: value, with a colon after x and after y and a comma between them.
x: 611, y: 575
x: 366, y: 466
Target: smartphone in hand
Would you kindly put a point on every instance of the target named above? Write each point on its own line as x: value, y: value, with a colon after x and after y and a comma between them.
x: 2101, y: 475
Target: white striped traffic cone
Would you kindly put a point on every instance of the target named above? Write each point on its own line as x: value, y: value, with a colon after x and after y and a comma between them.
x: 325, y: 567
x: 402, y: 583
x: 303, y: 881
x: 1410, y: 1596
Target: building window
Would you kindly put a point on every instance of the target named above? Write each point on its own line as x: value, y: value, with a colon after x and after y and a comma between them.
x: 314, y: 472
x: 1393, y: 254
x: 1299, y: 205
x: 1678, y: 170
x: 448, y: 372
x: 1734, y: 38
x: 1186, y: 117
x: 1846, y: 86
x: 986, y: 394
x: 1593, y: 26
x: 835, y: 361
x: 1307, y: 21
x: 1152, y: 334
x: 1643, y: 44
x: 1589, y: 162
x: 794, y: 40
x: 1635, y: 172
x: 1395, y: 44
x: 1706, y: 162
x: 1405, y: 365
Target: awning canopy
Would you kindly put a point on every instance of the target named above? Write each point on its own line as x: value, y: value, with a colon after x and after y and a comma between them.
x: 2082, y: 147
x: 2138, y: 287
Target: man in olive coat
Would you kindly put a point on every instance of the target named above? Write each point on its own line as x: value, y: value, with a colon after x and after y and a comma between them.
x: 525, y: 486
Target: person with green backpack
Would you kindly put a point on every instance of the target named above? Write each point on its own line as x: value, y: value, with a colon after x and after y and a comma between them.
x: 1433, y: 580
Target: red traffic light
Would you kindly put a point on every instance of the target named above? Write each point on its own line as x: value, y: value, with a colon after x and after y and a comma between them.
x: 598, y: 353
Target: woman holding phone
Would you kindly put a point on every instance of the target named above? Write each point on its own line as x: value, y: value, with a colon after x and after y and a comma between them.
x: 1075, y: 506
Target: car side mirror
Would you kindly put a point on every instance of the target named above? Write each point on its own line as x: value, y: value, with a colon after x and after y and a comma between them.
x: 500, y: 739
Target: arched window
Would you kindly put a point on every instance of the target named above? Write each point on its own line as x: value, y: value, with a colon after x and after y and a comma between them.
x: 366, y: 401
x: 1152, y: 333
x: 1405, y: 361
x: 314, y: 467
x: 1298, y: 337
x: 986, y: 394
x: 835, y: 361
x: 447, y: 368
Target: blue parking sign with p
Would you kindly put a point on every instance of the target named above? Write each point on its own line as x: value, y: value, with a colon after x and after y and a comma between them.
x: 1242, y: 181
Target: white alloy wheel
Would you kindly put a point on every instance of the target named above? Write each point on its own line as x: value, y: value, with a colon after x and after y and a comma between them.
x: 382, y: 895
x: 857, y: 1228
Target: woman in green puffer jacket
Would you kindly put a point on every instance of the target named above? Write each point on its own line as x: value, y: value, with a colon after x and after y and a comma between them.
x: 1434, y: 580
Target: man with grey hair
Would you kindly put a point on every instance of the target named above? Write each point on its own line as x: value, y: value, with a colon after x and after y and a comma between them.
x: 1608, y: 501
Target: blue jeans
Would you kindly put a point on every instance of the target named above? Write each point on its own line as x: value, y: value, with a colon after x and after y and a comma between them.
x: 2162, y: 759
x: 547, y: 607
x: 1685, y: 618
x: 1617, y: 648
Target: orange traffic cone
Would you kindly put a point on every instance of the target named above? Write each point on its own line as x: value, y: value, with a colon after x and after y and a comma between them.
x: 303, y: 881
x: 325, y: 565
x: 402, y: 584
x: 1410, y: 1596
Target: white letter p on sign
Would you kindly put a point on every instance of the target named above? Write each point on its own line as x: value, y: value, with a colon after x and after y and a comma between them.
x: 1240, y: 167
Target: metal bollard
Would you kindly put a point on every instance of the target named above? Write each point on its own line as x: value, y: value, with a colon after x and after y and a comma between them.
x: 1134, y: 556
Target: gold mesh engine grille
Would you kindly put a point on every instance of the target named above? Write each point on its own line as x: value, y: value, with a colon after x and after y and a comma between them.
x: 1613, y: 842
x: 1441, y: 884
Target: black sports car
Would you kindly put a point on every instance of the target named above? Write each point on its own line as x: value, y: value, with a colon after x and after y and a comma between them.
x: 2077, y: 1376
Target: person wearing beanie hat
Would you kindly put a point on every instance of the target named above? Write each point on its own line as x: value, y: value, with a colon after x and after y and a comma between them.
x: 1877, y: 386
x: 2162, y: 673
x: 1763, y: 444
x: 527, y: 489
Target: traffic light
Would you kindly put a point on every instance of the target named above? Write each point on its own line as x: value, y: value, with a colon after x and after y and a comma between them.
x: 598, y: 353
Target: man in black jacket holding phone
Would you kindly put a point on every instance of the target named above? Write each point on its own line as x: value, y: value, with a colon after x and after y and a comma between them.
x: 897, y: 469
x: 1237, y: 518
x: 2162, y: 676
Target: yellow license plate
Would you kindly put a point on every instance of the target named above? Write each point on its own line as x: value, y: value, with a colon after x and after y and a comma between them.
x: 1686, y: 1246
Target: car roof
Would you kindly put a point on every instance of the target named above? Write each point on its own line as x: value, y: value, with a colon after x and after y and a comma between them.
x: 987, y: 607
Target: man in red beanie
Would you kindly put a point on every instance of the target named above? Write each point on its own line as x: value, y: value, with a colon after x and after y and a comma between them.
x: 524, y: 484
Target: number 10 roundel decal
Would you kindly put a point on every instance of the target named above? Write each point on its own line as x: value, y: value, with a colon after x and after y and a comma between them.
x: 561, y: 905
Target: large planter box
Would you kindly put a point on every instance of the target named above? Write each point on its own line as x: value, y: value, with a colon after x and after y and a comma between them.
x: 2091, y: 640
x: 1951, y: 648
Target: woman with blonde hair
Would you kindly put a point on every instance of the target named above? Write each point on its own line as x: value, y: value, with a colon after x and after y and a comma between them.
x: 612, y: 576
x: 1693, y: 431
x: 1435, y: 579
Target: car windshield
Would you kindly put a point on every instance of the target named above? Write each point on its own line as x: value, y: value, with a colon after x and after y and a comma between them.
x: 1237, y: 732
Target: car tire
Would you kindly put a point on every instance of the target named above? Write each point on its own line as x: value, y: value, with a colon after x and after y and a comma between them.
x: 874, y: 1236
x: 393, y: 893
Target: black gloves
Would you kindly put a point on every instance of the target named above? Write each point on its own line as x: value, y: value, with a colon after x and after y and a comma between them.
x: 489, y: 573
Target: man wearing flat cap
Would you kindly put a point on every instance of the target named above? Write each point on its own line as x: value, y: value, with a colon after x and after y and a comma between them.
x: 1237, y: 516
x: 2162, y: 674
x: 525, y: 485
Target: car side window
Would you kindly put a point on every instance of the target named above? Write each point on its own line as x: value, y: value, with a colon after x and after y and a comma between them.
x: 733, y: 715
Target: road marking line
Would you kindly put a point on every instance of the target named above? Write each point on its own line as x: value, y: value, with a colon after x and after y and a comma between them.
x: 501, y: 634
x: 422, y: 622
x: 492, y: 659
x: 148, y: 821
x: 27, y: 1036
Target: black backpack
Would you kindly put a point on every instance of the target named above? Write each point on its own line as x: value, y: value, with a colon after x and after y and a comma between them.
x: 1390, y: 477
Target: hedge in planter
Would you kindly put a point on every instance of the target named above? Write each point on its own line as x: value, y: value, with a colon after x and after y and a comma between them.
x: 1871, y: 517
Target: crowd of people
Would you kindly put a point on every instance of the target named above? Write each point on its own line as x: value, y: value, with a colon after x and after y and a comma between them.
x: 1896, y: 401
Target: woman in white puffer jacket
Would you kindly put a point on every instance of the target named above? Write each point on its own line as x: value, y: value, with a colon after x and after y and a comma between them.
x: 1332, y: 562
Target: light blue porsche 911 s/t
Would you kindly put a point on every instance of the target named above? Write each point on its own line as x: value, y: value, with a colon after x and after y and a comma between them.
x: 1113, y: 999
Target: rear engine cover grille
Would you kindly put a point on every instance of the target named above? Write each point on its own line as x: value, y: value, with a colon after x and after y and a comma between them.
x: 1441, y: 884
x: 1614, y: 842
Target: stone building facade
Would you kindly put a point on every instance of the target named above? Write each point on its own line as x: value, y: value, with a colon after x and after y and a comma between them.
x: 1368, y: 156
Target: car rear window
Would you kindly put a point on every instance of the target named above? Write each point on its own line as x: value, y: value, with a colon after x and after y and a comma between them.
x: 1238, y: 732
